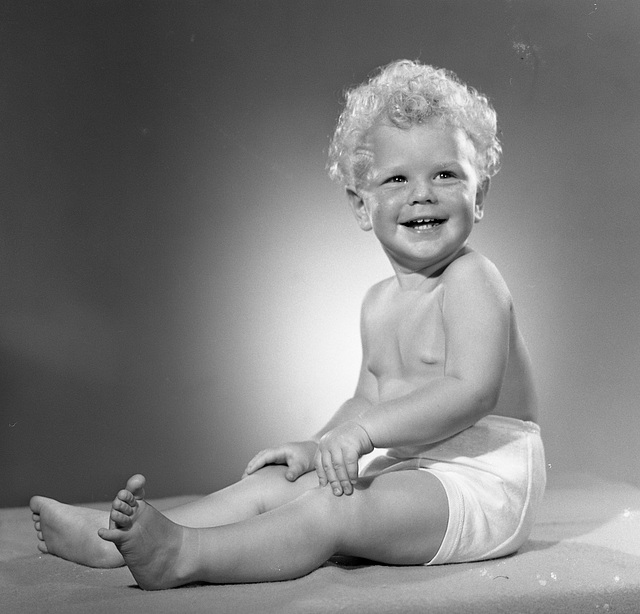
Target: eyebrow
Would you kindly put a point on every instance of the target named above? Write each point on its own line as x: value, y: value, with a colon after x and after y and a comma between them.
x: 387, y: 171
x: 448, y: 163
x: 392, y: 169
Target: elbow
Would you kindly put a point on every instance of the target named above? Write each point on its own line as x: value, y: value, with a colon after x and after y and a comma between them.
x: 484, y: 401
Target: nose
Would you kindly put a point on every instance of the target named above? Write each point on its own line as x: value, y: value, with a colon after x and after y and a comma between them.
x: 423, y: 193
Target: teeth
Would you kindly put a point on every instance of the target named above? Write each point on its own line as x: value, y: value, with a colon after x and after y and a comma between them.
x: 423, y: 223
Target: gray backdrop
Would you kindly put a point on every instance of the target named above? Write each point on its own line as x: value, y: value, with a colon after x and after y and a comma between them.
x: 181, y: 282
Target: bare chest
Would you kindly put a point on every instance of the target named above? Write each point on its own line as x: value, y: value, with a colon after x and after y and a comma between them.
x: 405, y: 338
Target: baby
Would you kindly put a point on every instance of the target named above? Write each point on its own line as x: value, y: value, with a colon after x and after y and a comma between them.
x: 445, y: 385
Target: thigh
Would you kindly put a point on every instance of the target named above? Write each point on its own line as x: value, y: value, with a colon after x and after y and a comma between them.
x: 398, y: 518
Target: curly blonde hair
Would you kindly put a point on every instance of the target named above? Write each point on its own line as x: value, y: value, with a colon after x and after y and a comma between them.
x: 406, y: 93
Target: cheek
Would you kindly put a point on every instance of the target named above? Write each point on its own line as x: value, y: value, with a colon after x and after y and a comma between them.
x: 465, y: 199
x: 377, y: 214
x: 455, y: 191
x: 388, y: 205
x: 384, y: 217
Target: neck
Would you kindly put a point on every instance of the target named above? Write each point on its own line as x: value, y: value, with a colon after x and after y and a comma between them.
x: 412, y: 279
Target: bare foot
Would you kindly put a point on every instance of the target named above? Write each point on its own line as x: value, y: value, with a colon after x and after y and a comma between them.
x: 71, y: 533
x: 152, y: 546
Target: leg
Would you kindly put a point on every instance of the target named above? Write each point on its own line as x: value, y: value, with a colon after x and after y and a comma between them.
x: 71, y: 532
x: 255, y: 494
x: 398, y: 518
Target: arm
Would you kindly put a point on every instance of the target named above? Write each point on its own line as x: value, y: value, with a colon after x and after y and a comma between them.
x: 477, y: 316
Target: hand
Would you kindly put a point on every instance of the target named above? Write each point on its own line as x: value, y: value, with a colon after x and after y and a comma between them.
x: 298, y: 456
x: 336, y: 461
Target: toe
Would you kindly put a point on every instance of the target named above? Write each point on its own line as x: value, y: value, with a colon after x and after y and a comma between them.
x: 136, y: 484
x: 108, y: 534
x: 35, y: 504
x: 121, y: 520
x: 125, y: 496
x: 122, y: 506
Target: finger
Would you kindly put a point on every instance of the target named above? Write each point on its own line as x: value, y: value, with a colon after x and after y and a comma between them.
x: 294, y: 471
x: 253, y: 465
x: 297, y: 466
x: 351, y: 464
x: 317, y: 463
x: 265, y: 457
x: 332, y: 462
x: 342, y: 472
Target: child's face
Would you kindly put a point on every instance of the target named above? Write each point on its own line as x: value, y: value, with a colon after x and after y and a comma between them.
x: 422, y: 194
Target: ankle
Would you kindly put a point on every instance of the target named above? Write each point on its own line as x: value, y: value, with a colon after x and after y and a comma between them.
x: 188, y: 564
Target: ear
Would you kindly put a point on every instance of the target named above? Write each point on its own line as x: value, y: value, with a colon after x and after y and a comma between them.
x: 481, y: 192
x: 359, y: 209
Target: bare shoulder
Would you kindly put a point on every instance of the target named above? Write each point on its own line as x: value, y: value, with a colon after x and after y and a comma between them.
x: 377, y: 292
x: 474, y: 274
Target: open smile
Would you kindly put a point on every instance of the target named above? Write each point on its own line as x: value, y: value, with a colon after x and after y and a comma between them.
x: 424, y: 223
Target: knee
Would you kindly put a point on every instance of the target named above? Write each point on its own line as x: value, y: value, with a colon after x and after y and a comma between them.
x: 264, y: 482
x: 335, y: 517
x: 322, y: 499
x: 272, y: 489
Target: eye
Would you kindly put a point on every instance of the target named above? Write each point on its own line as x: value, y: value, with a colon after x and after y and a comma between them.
x: 446, y: 175
x: 396, y: 179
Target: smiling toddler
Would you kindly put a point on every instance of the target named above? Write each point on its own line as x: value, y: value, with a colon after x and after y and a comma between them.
x: 445, y: 386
